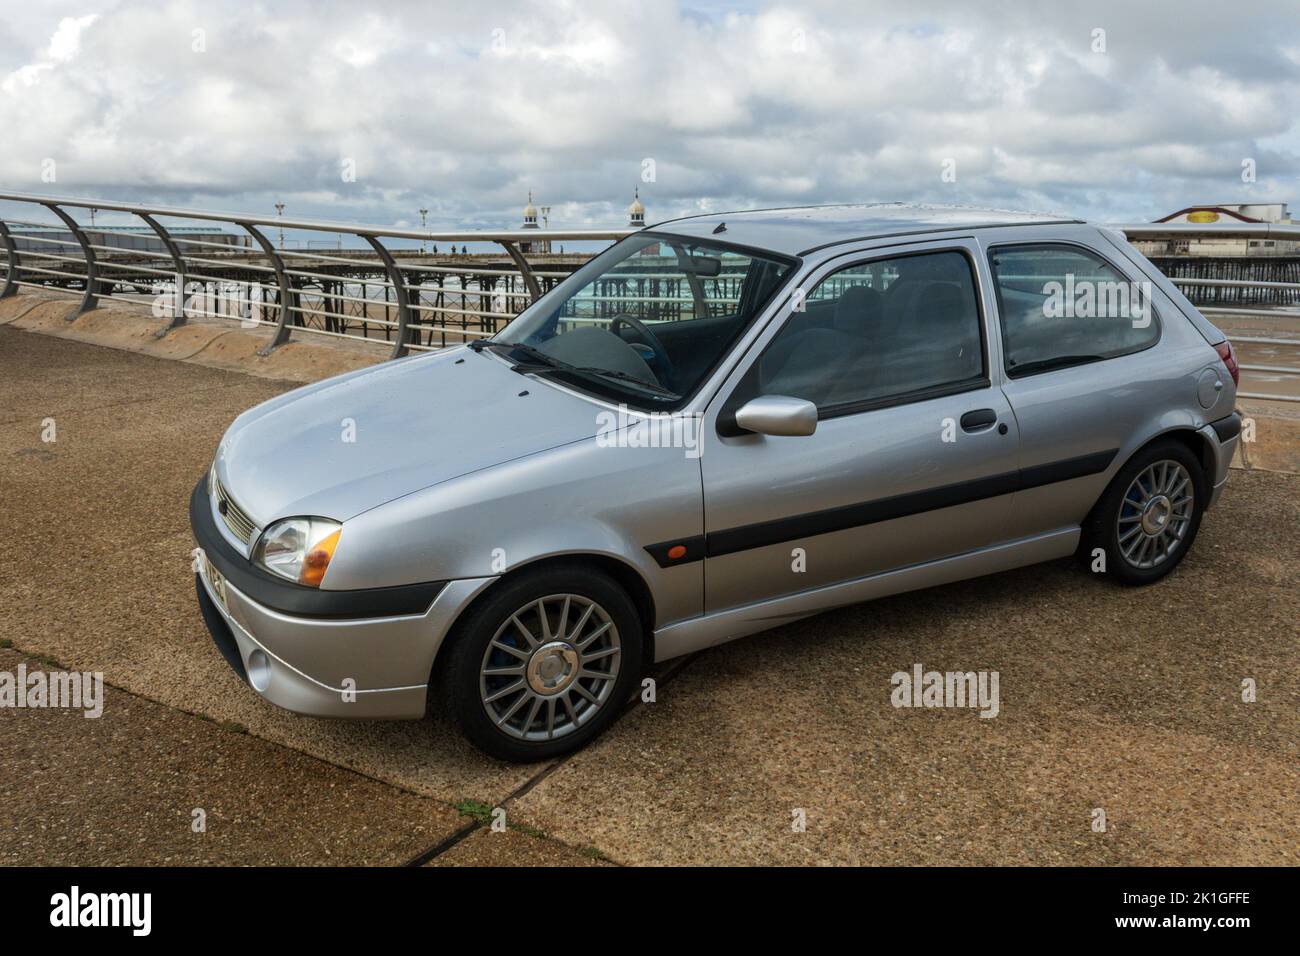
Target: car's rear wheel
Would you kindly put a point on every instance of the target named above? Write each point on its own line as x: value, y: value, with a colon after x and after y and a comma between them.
x: 543, y: 664
x: 1149, y: 515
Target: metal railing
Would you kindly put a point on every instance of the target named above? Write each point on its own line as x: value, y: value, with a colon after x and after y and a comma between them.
x: 1266, y: 299
x: 285, y: 289
x: 464, y: 296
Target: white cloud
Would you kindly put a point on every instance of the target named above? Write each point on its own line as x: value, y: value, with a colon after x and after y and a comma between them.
x: 63, y: 46
x: 463, y: 108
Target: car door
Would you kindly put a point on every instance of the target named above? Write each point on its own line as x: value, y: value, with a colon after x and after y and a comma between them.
x: 1082, y: 371
x: 915, y: 451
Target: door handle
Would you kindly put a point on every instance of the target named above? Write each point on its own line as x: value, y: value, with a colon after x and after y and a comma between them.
x: 978, y: 420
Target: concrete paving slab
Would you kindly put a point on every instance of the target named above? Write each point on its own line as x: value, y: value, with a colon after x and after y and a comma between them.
x: 15, y: 307
x: 203, y: 340
x: 49, y: 316
x: 96, y: 571
x: 121, y: 789
x: 105, y: 326
x: 43, y: 378
x: 1127, y: 701
x: 188, y: 340
x: 513, y: 848
x: 1274, y: 432
x: 299, y: 361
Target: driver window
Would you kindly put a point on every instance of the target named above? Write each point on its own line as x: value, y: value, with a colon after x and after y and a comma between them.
x: 880, y: 330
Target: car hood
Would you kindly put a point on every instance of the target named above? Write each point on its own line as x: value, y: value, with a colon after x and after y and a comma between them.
x: 412, y: 423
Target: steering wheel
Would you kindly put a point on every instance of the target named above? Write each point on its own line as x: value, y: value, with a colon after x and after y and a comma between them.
x: 663, y: 364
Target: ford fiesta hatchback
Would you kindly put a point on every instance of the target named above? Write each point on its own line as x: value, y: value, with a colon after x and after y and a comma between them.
x: 719, y: 425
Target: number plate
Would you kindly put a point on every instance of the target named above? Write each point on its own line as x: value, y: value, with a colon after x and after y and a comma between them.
x: 217, y: 582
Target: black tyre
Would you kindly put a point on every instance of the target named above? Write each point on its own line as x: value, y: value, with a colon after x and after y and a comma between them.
x: 1148, y: 516
x: 542, y: 664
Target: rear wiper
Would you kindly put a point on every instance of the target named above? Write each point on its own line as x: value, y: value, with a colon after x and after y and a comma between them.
x: 1060, y: 361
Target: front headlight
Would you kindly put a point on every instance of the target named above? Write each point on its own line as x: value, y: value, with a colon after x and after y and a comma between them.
x: 298, y: 549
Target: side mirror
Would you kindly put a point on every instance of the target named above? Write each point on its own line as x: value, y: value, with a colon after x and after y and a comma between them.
x: 778, y: 415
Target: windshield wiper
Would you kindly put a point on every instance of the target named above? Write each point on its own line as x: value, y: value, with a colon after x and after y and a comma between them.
x: 650, y: 387
x: 542, y: 363
x: 1045, y: 365
x: 537, y: 355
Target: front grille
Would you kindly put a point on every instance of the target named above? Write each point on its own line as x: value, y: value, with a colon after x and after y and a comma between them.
x: 240, y: 525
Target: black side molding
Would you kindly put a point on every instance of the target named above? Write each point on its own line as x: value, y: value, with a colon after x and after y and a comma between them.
x: 296, y: 599
x: 1066, y: 469
x: 795, y: 527
x: 1227, y: 428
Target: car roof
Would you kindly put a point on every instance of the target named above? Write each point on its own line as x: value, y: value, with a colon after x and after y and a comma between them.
x: 797, y: 230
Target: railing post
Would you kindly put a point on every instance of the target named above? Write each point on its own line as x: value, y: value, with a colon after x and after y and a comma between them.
x: 11, y: 275
x: 178, y: 261
x: 286, y: 290
x: 89, y: 300
x: 525, y: 269
x: 399, y: 290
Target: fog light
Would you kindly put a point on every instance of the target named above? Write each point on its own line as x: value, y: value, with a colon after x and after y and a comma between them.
x: 259, y: 671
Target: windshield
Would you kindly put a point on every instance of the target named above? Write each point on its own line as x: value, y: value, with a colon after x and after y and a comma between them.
x: 646, y: 321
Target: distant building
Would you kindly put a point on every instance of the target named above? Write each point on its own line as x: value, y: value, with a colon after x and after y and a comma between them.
x: 1231, y: 212
x: 530, y: 222
x: 1225, y: 258
x: 1224, y: 213
x: 58, y: 240
x: 536, y: 219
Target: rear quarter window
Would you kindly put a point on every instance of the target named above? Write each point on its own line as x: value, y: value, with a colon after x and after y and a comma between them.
x: 1064, y: 305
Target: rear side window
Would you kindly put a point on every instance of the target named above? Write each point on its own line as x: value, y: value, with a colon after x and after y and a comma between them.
x: 1062, y: 306
x: 879, y: 332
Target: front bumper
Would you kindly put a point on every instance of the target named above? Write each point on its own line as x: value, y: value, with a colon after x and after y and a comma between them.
x: 338, y: 654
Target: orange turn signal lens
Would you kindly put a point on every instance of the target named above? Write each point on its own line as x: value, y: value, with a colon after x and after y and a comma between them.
x: 317, y: 561
x: 676, y: 552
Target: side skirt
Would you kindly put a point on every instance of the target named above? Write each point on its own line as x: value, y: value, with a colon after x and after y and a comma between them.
x: 684, y: 637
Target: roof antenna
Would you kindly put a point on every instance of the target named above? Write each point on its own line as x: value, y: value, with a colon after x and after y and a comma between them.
x: 721, y: 227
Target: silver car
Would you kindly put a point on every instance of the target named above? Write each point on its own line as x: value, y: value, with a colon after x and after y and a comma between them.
x: 719, y: 425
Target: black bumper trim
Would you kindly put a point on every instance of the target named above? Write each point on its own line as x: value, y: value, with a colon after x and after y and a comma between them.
x: 220, y: 631
x: 1227, y: 428
x: 295, y: 599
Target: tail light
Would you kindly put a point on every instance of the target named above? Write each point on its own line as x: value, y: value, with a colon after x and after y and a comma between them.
x: 1229, y: 356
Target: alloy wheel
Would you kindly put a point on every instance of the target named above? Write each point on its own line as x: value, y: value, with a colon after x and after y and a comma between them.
x: 550, y: 667
x: 1155, y: 514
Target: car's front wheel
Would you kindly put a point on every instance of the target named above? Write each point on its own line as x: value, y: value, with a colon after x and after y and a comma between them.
x: 542, y: 664
x: 1148, y: 517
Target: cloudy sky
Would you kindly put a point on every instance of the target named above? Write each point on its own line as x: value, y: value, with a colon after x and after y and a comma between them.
x: 464, y: 107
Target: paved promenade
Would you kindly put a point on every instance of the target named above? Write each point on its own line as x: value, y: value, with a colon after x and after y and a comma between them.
x: 1117, y: 700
